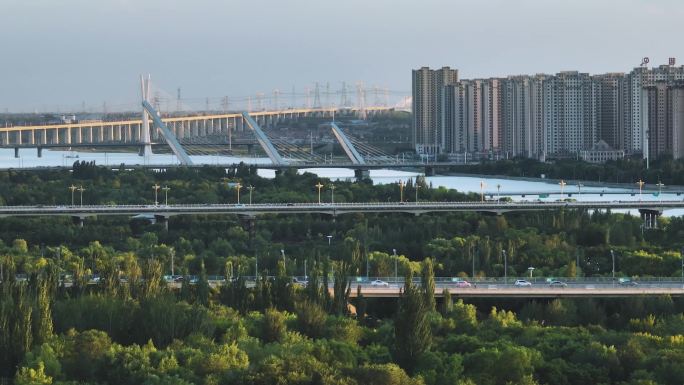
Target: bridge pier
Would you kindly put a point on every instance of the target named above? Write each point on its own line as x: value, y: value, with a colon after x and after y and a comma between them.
x: 162, y: 219
x: 77, y: 220
x: 429, y: 171
x: 16, y: 152
x: 361, y: 174
x: 650, y: 217
x: 40, y: 152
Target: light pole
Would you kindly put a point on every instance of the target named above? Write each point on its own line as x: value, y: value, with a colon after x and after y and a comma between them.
x: 332, y: 193
x: 166, y: 195
x: 660, y: 188
x: 401, y: 190
x: 498, y: 191
x: 579, y: 188
x: 329, y: 239
x: 562, y: 186
x: 282, y: 252
x: 505, y: 266
x: 72, y: 188
x: 81, y: 190
x: 238, y: 186
x: 612, y: 254
x: 250, y: 188
x: 641, y: 184
x: 394, y: 253
x: 319, y: 186
x: 531, y: 270
x: 305, y: 276
x: 156, y: 188
x: 417, y: 187
x: 482, y: 186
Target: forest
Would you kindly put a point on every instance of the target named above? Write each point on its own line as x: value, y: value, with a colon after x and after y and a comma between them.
x: 131, y: 327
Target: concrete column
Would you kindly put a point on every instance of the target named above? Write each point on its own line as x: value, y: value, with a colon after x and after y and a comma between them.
x: 32, y: 137
x: 20, y: 137
x: 44, y: 140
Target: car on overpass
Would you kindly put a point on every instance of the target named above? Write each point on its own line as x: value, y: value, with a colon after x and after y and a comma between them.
x: 557, y: 283
x: 522, y: 283
x: 379, y: 283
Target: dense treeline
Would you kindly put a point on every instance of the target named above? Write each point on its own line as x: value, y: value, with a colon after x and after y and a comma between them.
x: 141, y: 332
x: 132, y: 327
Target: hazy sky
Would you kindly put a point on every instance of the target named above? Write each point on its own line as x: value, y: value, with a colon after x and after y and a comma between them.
x: 59, y: 53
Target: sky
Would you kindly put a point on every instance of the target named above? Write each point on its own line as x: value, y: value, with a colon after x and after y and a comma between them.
x: 58, y: 55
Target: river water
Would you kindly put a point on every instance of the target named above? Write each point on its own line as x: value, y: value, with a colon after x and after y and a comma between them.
x: 510, y: 186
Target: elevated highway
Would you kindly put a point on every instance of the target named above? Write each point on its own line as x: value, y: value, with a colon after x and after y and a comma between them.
x: 165, y: 211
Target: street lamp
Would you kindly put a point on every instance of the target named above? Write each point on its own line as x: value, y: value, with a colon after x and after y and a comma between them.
x: 641, y: 184
x: 401, y: 190
x: 238, y: 186
x: 250, y: 188
x: 156, y: 188
x: 166, y: 195
x: 396, y: 277
x: 332, y: 193
x: 319, y: 186
x: 579, y: 188
x: 282, y: 252
x: 660, y: 188
x: 417, y: 187
x: 81, y: 190
x: 562, y: 186
x: 482, y: 186
x: 612, y: 254
x: 329, y: 239
x: 72, y: 188
x: 498, y: 191
x: 505, y: 266
x: 531, y: 270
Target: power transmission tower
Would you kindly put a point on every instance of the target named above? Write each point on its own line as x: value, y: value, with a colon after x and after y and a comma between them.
x: 317, y: 97
x: 224, y: 104
x: 361, y: 100
x: 327, y: 94
x: 206, y: 105
x: 260, y: 101
x: 307, y: 91
x: 276, y: 97
x: 344, y: 101
x: 178, y: 100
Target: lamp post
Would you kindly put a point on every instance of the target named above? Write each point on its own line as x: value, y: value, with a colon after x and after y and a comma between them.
x: 531, y: 270
x: 482, y: 186
x: 156, y: 188
x: 329, y: 239
x: 417, y: 187
x: 332, y: 193
x: 282, y: 252
x: 579, y: 188
x: 166, y: 195
x: 401, y: 190
x: 319, y: 186
x: 498, y: 191
x: 81, y: 190
x: 660, y: 188
x: 505, y: 266
x: 641, y: 184
x: 238, y: 186
x: 250, y: 188
x: 562, y: 186
x: 396, y: 270
x: 72, y: 188
x: 612, y: 254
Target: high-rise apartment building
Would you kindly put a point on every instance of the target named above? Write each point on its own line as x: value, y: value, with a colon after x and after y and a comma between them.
x: 569, y: 111
x: 427, y: 86
x: 544, y: 116
x: 609, y: 99
x: 522, y: 116
x: 665, y: 119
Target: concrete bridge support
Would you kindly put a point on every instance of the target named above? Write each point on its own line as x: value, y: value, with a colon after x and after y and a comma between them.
x: 162, y: 220
x: 650, y: 218
x: 361, y: 174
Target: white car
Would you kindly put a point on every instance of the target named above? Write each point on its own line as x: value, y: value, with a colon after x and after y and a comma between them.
x: 379, y: 283
x: 522, y: 283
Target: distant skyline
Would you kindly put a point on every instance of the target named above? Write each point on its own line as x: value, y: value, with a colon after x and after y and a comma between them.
x: 61, y: 54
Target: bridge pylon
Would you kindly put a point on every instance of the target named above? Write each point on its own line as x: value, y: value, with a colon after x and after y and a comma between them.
x: 145, y: 136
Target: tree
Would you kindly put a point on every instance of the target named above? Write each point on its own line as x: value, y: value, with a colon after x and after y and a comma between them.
x: 30, y: 376
x: 428, y: 284
x: 273, y: 327
x: 411, y: 326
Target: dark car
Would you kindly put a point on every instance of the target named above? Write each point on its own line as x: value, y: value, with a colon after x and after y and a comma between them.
x: 557, y: 283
